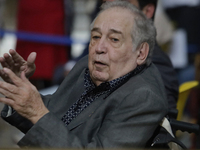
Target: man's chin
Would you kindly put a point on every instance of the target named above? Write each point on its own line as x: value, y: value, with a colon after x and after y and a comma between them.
x: 98, y: 77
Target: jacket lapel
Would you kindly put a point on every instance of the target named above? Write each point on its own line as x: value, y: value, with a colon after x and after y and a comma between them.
x: 86, y: 114
x: 65, y: 102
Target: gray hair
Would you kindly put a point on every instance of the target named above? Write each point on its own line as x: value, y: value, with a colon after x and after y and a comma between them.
x: 143, y: 28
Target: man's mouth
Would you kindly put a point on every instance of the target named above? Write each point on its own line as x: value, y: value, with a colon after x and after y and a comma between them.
x: 98, y: 63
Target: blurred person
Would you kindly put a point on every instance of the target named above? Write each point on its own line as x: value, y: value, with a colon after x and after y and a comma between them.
x: 115, y: 97
x: 2, y: 6
x: 69, y: 15
x: 42, y: 17
x: 184, y: 15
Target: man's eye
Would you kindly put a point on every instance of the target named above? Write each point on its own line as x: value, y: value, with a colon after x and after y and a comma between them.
x: 115, y: 40
x: 96, y: 37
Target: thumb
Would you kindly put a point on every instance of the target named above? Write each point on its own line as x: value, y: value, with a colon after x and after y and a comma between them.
x: 31, y: 58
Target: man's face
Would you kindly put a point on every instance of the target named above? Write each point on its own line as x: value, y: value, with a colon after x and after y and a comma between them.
x: 111, y: 52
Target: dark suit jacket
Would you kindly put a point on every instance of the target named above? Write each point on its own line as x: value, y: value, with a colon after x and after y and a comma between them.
x: 126, y: 118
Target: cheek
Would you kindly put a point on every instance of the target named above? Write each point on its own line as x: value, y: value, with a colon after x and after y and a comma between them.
x: 119, y: 56
x: 91, y: 47
x: 90, y: 58
x: 122, y: 60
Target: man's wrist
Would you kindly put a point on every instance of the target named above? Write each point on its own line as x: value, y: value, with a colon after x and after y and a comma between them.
x: 35, y: 119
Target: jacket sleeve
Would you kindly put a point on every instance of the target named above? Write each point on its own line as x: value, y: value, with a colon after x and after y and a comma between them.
x: 130, y: 124
x: 17, y: 120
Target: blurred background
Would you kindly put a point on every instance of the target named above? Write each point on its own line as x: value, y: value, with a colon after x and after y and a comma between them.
x: 59, y: 31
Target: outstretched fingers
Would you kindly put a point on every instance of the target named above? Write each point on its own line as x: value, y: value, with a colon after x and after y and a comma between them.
x: 9, y: 91
x: 13, y: 77
x: 3, y: 62
x: 17, y: 59
x: 4, y: 76
x: 30, y: 67
x: 12, y: 91
x: 7, y: 101
x: 9, y: 62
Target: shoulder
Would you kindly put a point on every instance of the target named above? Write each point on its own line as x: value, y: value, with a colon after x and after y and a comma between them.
x: 150, y: 77
x: 149, y: 80
x: 143, y: 93
x: 149, y: 85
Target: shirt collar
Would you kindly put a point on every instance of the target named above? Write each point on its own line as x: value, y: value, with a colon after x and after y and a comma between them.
x: 111, y: 85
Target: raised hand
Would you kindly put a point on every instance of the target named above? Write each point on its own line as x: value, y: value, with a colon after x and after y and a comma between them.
x: 22, y: 96
x: 17, y: 64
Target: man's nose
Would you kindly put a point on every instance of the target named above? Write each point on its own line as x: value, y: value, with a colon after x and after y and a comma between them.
x: 102, y: 46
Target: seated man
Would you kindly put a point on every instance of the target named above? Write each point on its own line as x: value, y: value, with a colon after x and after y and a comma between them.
x: 115, y: 97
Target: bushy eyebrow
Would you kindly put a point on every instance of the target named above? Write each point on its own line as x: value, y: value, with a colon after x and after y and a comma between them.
x: 116, y: 31
x: 96, y: 29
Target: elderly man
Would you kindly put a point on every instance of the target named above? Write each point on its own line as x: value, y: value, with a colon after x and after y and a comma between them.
x: 117, y: 100
x: 159, y: 57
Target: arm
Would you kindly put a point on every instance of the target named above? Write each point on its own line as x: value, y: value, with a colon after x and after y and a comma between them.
x: 131, y: 124
x: 17, y: 64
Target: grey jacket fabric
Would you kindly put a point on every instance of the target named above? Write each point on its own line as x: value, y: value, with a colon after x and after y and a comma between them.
x: 126, y: 118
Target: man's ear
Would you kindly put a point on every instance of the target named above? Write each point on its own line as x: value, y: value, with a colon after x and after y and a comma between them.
x: 149, y: 10
x: 143, y: 52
